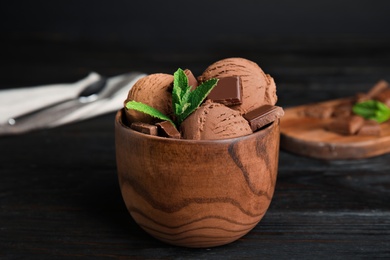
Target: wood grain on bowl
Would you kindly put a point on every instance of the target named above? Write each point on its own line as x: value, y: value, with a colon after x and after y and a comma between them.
x: 197, y: 193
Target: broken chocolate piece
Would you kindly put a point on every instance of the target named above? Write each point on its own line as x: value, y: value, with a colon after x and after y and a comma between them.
x: 379, y: 87
x: 346, y: 126
x: 192, y: 82
x: 319, y: 111
x: 384, y: 97
x: 361, y: 97
x: 263, y: 115
x: 370, y: 127
x: 343, y: 110
x: 144, y: 128
x: 167, y: 129
x: 228, y: 91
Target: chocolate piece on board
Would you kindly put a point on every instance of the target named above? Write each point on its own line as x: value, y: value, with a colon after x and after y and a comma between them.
x: 346, y: 126
x: 263, y: 115
x: 384, y: 97
x: 228, y: 91
x: 361, y: 97
x: 319, y: 111
x: 343, y: 110
x: 379, y: 87
x: 144, y: 128
x: 192, y: 82
x: 370, y: 127
x: 167, y: 129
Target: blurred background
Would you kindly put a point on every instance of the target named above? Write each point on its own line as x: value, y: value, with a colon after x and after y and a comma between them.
x: 303, y: 43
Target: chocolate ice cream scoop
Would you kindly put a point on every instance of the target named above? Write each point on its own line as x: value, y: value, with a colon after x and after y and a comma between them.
x: 270, y: 96
x: 154, y: 90
x: 214, y: 121
x: 258, y: 88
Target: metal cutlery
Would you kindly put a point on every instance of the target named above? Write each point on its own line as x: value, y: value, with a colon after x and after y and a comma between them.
x: 42, y: 118
x: 88, y: 94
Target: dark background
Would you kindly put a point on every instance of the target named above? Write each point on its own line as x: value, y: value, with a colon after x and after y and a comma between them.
x: 57, y: 41
x: 59, y: 193
x: 171, y: 25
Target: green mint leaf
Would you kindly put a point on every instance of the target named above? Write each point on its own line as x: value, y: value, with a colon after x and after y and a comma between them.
x: 180, y: 83
x: 197, y: 96
x: 372, y: 109
x: 185, y: 106
x: 141, y: 107
x: 365, y: 109
x: 381, y: 117
x: 184, y: 100
x: 180, y: 86
x: 180, y: 92
x: 382, y: 107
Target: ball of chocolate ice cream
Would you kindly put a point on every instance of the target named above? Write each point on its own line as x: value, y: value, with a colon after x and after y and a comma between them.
x: 154, y: 90
x: 214, y: 121
x: 258, y: 88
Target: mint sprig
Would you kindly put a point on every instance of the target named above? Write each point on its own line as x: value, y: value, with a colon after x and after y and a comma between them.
x: 372, y: 109
x: 184, y: 100
x: 141, y: 107
x: 180, y: 92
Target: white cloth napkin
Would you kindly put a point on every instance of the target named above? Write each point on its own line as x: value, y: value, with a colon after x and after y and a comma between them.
x: 102, y: 106
x: 16, y: 102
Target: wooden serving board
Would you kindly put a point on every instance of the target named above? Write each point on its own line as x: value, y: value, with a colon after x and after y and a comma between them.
x: 307, y: 136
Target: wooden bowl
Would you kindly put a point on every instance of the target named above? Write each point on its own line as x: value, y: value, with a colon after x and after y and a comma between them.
x: 196, y: 193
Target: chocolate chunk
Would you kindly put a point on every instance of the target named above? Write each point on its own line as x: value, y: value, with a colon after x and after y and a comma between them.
x: 144, y: 128
x: 384, y: 97
x: 191, y: 79
x: 228, y: 91
x: 343, y: 110
x: 319, y: 111
x: 379, y: 87
x: 167, y: 129
x: 361, y: 97
x: 263, y: 115
x: 370, y: 127
x: 346, y: 126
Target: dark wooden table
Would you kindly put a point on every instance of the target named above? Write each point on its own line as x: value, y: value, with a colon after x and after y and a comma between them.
x: 59, y: 194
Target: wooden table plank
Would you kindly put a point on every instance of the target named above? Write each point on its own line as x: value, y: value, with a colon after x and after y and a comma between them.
x: 59, y: 193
